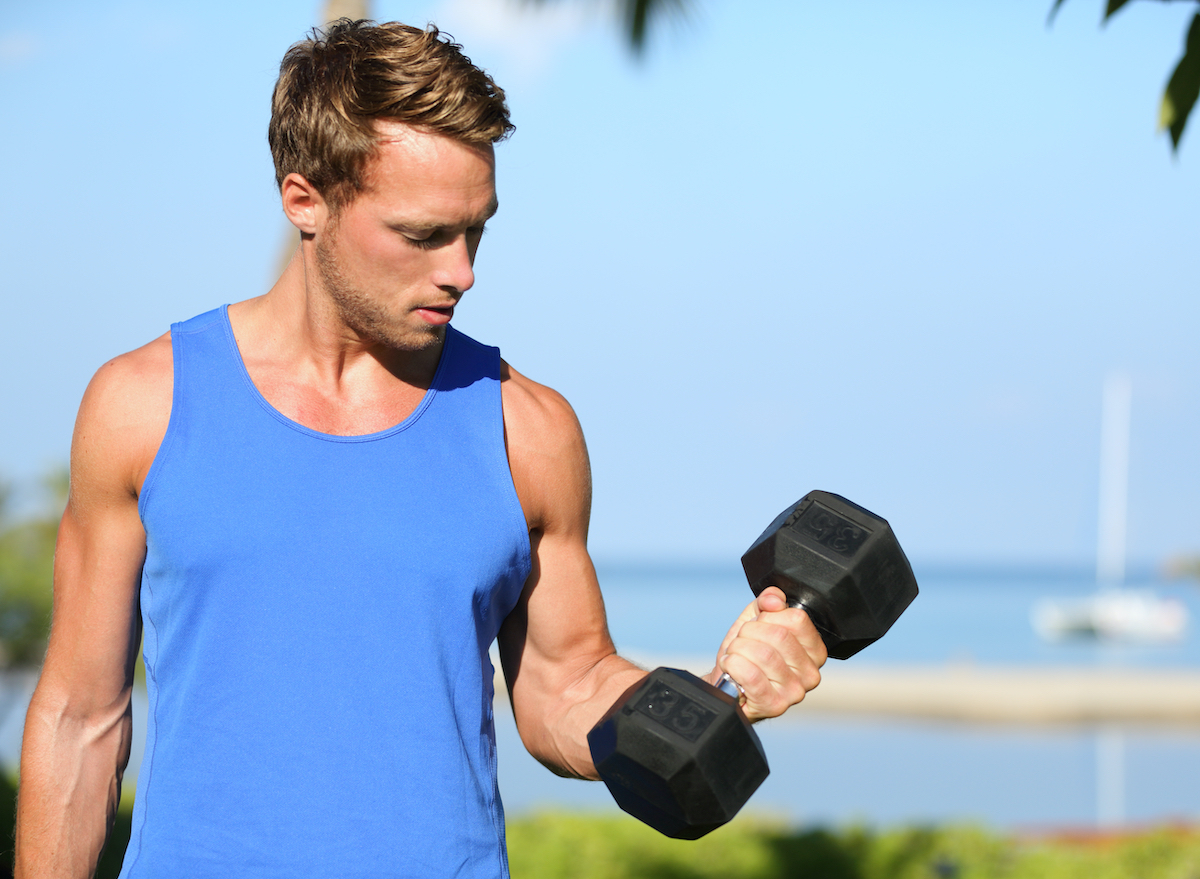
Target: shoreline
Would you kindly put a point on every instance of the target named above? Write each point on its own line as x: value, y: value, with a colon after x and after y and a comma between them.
x: 1038, y: 696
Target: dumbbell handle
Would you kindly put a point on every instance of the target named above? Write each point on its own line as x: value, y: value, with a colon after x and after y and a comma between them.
x: 729, y: 687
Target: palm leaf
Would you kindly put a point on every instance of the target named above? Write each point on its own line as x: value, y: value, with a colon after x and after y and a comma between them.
x: 1111, y: 8
x: 1054, y: 11
x: 638, y: 15
x: 1183, y: 87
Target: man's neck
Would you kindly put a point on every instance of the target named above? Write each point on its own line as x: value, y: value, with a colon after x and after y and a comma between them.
x: 318, y: 371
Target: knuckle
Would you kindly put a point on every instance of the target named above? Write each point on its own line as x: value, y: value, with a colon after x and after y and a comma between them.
x: 773, y: 633
x: 755, y: 678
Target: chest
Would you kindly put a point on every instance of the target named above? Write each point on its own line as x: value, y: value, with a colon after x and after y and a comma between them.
x: 351, y: 408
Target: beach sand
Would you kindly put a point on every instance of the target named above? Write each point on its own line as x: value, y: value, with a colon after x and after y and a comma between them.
x: 981, y: 694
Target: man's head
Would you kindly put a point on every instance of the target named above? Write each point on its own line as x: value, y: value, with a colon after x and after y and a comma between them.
x: 332, y: 89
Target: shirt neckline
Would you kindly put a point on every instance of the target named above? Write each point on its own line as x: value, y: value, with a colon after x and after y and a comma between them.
x: 407, y: 422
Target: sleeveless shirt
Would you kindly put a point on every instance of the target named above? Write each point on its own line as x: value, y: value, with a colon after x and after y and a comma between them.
x: 317, y: 612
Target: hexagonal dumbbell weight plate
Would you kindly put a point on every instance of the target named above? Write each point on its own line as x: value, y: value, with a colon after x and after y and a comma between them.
x: 838, y: 561
x: 678, y: 754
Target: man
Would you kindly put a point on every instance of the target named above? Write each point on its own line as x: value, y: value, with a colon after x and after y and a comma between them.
x: 317, y: 508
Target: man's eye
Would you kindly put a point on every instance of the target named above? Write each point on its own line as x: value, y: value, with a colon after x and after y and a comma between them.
x: 422, y: 243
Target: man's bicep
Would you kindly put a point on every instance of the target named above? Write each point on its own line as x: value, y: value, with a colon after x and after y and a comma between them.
x: 560, y: 616
x: 559, y: 660
x: 559, y: 624
x: 95, y: 627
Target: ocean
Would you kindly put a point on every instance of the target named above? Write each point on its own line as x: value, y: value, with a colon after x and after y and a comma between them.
x: 884, y: 773
x: 876, y: 772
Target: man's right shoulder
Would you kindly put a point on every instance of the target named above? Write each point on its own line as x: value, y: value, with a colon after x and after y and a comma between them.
x: 144, y: 373
x: 126, y: 409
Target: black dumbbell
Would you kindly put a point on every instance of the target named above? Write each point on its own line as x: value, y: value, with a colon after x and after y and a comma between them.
x: 678, y: 753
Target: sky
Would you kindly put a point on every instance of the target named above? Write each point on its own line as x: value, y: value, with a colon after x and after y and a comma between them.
x: 886, y: 250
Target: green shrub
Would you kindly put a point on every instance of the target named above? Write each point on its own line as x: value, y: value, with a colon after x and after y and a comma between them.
x: 582, y: 846
x: 563, y: 846
x: 26, y: 571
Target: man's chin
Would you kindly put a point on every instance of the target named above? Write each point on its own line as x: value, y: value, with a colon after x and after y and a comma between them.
x: 422, y: 340
x: 397, y: 336
x: 415, y: 344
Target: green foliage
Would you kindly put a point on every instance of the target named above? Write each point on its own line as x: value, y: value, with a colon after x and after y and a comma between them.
x: 1184, y: 85
x: 8, y: 815
x: 638, y: 15
x: 1160, y: 854
x: 581, y: 847
x: 586, y: 847
x: 114, y: 849
x: 26, y: 574
x: 1179, y: 96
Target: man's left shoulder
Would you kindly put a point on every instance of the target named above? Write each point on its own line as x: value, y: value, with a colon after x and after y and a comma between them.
x: 534, y: 409
x: 546, y: 454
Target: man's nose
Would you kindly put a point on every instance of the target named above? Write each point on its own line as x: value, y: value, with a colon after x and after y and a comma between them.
x: 455, y: 270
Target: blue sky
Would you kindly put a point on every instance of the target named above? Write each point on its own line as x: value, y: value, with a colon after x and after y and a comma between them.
x: 888, y: 250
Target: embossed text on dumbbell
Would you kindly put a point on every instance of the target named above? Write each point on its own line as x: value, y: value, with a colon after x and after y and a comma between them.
x: 676, y: 712
x: 827, y: 528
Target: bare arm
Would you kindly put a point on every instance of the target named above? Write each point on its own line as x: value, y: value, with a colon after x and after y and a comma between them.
x: 79, y: 727
x: 562, y: 669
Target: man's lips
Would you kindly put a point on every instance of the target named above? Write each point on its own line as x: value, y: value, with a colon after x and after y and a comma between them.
x: 436, y: 314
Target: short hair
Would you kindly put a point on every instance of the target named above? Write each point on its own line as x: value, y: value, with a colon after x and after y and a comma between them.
x: 333, y: 86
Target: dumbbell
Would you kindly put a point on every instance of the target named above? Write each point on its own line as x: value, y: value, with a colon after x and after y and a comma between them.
x: 678, y: 753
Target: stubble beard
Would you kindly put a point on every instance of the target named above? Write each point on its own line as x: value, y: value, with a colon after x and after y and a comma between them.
x: 367, y: 318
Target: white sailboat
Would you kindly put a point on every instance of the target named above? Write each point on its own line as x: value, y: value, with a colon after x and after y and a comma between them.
x: 1129, y: 616
x: 1115, y: 613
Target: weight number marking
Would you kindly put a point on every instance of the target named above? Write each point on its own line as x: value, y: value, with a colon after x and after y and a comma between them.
x: 833, y: 532
x: 671, y: 709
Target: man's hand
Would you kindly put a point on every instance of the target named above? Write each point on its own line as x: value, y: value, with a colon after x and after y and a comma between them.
x: 774, y: 653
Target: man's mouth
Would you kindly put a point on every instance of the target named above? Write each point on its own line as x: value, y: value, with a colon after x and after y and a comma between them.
x: 436, y: 314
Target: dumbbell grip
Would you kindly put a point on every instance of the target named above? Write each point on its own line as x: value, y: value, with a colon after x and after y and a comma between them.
x: 728, y: 685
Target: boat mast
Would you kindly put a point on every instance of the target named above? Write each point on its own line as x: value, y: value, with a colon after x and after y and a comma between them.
x: 1114, y: 481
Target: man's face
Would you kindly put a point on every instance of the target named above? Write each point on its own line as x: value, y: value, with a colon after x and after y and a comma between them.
x: 396, y: 260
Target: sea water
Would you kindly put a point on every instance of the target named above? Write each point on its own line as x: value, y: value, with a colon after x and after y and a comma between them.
x: 876, y: 772
x: 880, y: 772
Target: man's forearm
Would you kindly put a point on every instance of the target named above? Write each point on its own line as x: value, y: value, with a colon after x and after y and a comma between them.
x: 69, y: 789
x: 559, y: 721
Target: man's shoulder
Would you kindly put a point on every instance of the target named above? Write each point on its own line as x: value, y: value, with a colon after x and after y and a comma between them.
x: 537, y: 413
x: 126, y: 408
x: 142, y: 371
x: 546, y: 454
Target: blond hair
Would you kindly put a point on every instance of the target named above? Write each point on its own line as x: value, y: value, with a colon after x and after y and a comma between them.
x: 333, y: 86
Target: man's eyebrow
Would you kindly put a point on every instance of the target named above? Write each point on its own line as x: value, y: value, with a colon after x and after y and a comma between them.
x: 416, y: 226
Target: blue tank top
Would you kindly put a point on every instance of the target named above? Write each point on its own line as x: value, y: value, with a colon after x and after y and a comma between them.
x: 317, y: 615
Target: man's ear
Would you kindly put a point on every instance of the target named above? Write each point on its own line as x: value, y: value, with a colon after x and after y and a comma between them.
x: 302, y: 204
